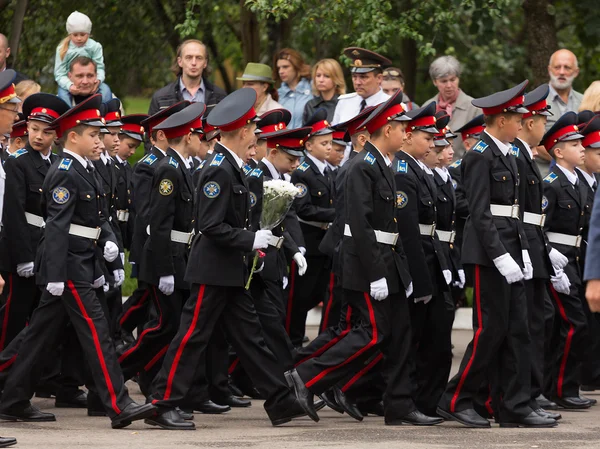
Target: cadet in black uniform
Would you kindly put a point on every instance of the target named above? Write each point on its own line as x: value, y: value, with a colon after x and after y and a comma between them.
x: 76, y: 232
x: 218, y: 270
x: 494, y: 251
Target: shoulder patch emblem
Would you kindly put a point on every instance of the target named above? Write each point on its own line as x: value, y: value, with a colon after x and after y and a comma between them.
x: 303, y: 167
x: 217, y: 160
x: 165, y: 187
x: 302, y: 190
x: 246, y: 169
x: 173, y: 162
x: 402, y: 167
x: 65, y: 164
x: 370, y: 158
x: 454, y: 184
x: 401, y: 199
x: 550, y: 178
x: 456, y: 164
x: 211, y: 189
x: 252, y: 199
x: 256, y: 173
x: 544, y: 203
x: 60, y: 195
x: 18, y: 153
x: 480, y: 147
x: 514, y: 150
x: 149, y: 159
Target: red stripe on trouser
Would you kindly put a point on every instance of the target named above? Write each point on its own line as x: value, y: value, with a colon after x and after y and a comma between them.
x: 156, y: 358
x: 475, y: 340
x: 232, y: 367
x: 488, y: 404
x: 8, y: 363
x: 563, y: 364
x: 362, y: 372
x: 134, y: 308
x: 99, y: 353
x: 184, y: 341
x: 325, y: 324
x: 333, y: 341
x: 6, y: 311
x: 288, y: 316
x: 369, y: 345
x: 146, y: 331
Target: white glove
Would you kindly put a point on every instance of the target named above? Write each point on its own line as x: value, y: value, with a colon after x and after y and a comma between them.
x: 558, y: 260
x: 99, y: 282
x: 560, y: 282
x: 25, y: 270
x: 105, y: 288
x: 508, y: 268
x: 111, y: 251
x: 56, y: 288
x: 285, y: 282
x: 528, y: 270
x: 379, y: 289
x: 408, y: 290
x: 261, y: 239
x: 122, y: 258
x: 423, y: 299
x: 460, y: 283
x: 301, y: 262
x: 302, y: 249
x: 166, y: 284
x: 447, y: 276
x: 119, y: 277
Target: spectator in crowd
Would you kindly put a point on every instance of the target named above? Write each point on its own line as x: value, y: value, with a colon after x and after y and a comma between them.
x: 26, y: 88
x: 327, y: 85
x: 4, y: 54
x: 445, y: 73
x: 84, y: 76
x: 258, y: 77
x: 591, y: 98
x: 191, y: 69
x: 393, y: 81
x: 78, y: 43
x: 295, y: 89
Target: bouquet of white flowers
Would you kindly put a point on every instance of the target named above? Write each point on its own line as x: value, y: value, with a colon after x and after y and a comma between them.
x: 278, y: 197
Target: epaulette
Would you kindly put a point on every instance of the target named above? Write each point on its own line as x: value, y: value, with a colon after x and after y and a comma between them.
x: 402, y: 167
x: 173, y: 162
x: 480, y: 147
x: 303, y: 167
x: 456, y: 164
x: 514, y: 150
x: 256, y: 173
x: 65, y: 164
x: 149, y: 159
x: 370, y: 158
x: 350, y: 95
x: 18, y: 153
x: 218, y: 160
x: 199, y: 167
x: 550, y: 178
x: 247, y: 169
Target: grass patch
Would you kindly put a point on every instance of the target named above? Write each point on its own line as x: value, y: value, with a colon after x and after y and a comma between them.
x: 130, y: 283
x: 136, y: 105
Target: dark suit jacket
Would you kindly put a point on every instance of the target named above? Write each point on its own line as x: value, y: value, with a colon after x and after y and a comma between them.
x: 171, y: 94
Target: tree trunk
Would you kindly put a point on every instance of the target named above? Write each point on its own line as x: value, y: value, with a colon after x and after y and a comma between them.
x: 541, y: 29
x: 16, y: 28
x: 250, y: 34
x: 409, y: 67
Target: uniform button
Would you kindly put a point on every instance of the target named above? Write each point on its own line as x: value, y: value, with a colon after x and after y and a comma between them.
x: 193, y: 221
x: 395, y: 221
x: 569, y: 206
x: 533, y: 182
x: 319, y: 193
x: 451, y: 246
x: 129, y: 201
x: 504, y: 178
x: 41, y: 190
x: 331, y: 201
x: 87, y: 196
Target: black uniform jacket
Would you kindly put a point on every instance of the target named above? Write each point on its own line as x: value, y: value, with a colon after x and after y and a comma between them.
x: 462, y: 206
x: 124, y: 200
x: 446, y: 220
x: 587, y: 214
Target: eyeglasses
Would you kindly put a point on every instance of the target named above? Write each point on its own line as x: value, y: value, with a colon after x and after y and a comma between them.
x: 15, y: 108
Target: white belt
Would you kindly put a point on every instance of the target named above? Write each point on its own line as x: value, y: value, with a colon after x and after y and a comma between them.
x: 387, y: 238
x: 276, y: 241
x: 35, y: 220
x: 500, y: 210
x: 84, y: 231
x: 564, y: 239
x: 123, y: 215
x: 446, y: 236
x: 427, y: 229
x: 534, y: 219
x: 316, y: 224
x: 178, y: 236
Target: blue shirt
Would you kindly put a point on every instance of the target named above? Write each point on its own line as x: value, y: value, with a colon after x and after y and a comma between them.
x: 295, y: 100
x: 198, y: 98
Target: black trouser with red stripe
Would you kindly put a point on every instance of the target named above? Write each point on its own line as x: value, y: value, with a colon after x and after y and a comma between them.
x: 535, y: 290
x: 135, y: 309
x: 205, y: 307
x: 19, y: 298
x: 381, y: 325
x: 332, y: 305
x: 80, y: 305
x: 501, y: 341
x: 305, y: 293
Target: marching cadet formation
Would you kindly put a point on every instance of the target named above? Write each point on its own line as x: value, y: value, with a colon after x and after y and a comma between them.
x: 387, y: 241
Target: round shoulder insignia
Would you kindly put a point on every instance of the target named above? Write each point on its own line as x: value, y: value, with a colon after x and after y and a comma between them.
x: 211, y: 189
x: 302, y: 190
x: 544, y: 203
x: 454, y: 184
x: 252, y: 199
x: 165, y: 187
x: 401, y: 199
x: 60, y: 195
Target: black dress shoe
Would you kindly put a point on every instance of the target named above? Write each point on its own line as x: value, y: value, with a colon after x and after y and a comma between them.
x: 319, y: 404
x: 210, y: 408
x: 329, y: 399
x: 295, y: 411
x: 77, y: 400
x: 573, y: 403
x: 171, y: 421
x: 27, y: 414
x: 232, y: 401
x: 546, y: 403
x: 415, y: 418
x: 546, y: 414
x: 589, y: 387
x: 533, y: 420
x: 304, y: 396
x: 7, y: 441
x: 592, y: 401
x: 132, y: 412
x: 235, y: 391
x: 468, y: 417
x: 346, y: 405
x: 371, y: 408
x: 187, y: 416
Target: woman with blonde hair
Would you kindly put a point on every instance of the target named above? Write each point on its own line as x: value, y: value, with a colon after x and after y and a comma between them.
x: 327, y: 85
x: 26, y: 88
x: 591, y: 98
